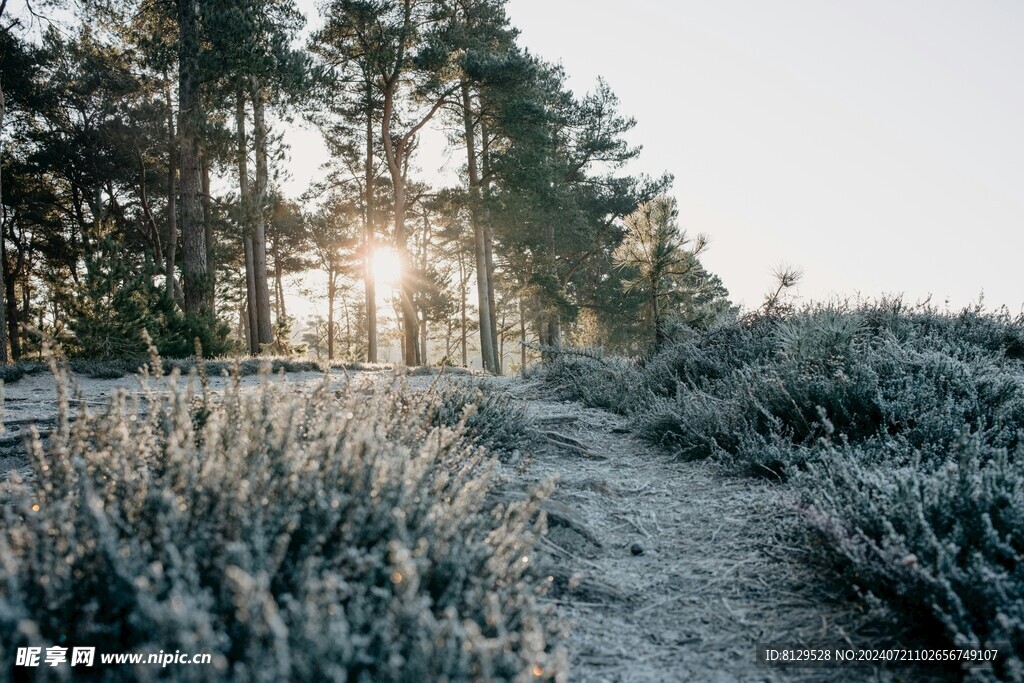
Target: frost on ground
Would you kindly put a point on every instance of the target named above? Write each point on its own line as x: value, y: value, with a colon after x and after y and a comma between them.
x: 662, y: 570
x: 676, y: 573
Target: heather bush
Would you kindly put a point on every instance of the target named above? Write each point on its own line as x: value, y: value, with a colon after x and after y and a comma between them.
x: 943, y: 542
x: 901, y: 429
x: 115, y: 368
x: 294, y: 536
x: 873, y: 372
x: 492, y: 417
x: 15, y: 371
x: 602, y: 382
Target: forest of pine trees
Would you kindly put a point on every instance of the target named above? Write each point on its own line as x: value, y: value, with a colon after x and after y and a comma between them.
x: 141, y: 187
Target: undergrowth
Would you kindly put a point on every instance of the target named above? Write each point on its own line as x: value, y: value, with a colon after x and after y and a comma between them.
x: 900, y: 428
x: 294, y: 536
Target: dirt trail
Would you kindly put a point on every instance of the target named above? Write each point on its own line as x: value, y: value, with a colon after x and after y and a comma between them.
x: 709, y: 582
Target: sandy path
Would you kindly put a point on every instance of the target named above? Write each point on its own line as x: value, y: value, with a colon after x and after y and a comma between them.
x: 710, y: 582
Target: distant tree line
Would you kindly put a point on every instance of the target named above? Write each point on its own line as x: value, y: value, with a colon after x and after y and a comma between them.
x: 140, y: 185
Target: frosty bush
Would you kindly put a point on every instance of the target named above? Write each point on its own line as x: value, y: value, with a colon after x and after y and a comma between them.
x: 867, y: 407
x: 944, y: 543
x: 115, y: 368
x: 294, y: 537
x: 494, y: 418
x: 771, y: 385
x: 596, y: 381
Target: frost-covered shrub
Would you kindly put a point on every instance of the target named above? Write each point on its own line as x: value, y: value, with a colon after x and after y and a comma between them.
x: 15, y: 371
x: 865, y: 408
x: 492, y: 417
x: 866, y: 373
x: 610, y: 383
x: 292, y: 536
x: 942, y: 542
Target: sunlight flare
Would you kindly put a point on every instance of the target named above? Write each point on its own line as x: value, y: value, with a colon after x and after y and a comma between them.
x: 387, y: 267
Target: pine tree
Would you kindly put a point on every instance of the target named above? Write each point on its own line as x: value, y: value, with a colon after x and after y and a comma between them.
x: 660, y: 259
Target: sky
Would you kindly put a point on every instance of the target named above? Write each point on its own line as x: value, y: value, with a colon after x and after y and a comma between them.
x: 876, y: 145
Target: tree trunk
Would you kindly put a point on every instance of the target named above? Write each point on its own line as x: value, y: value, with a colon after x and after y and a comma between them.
x: 194, y: 271
x: 12, y: 311
x: 423, y: 269
x: 332, y: 289
x: 259, y: 238
x: 348, y: 332
x: 480, y: 250
x: 208, y: 226
x: 522, y: 338
x: 246, y: 209
x: 485, y: 158
x: 501, y: 341
x: 282, y: 313
x: 410, y: 321
x: 462, y: 303
x: 243, y: 324
x: 555, y: 331
x: 550, y: 324
x: 26, y: 302
x: 659, y: 327
x: 250, y: 298
x: 4, y: 358
x: 172, y: 204
x: 369, y: 280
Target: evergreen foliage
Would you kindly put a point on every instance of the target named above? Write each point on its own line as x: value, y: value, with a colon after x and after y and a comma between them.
x: 118, y: 301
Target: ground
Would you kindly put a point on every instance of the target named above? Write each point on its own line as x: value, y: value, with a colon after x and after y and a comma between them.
x: 681, y: 571
x: 661, y: 570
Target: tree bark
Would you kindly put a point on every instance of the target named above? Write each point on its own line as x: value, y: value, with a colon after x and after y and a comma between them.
x: 172, y: 205
x: 395, y: 155
x: 332, y: 290
x: 4, y: 358
x: 423, y: 269
x: 348, y: 332
x: 489, y: 247
x: 193, y: 233
x: 208, y: 227
x: 12, y: 311
x: 243, y: 324
x: 259, y: 238
x: 501, y: 344
x: 462, y: 303
x: 250, y: 298
x: 555, y: 330
x: 369, y: 279
x: 282, y: 312
x: 279, y: 307
x: 522, y: 338
x: 245, y: 205
x: 487, y: 348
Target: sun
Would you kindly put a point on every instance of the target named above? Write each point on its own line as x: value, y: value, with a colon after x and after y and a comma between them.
x: 387, y: 267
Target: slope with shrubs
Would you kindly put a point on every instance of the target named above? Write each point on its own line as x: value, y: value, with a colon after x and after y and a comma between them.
x: 326, y: 536
x: 900, y: 429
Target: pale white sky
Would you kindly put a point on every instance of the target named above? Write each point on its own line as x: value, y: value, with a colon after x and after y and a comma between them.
x: 877, y: 144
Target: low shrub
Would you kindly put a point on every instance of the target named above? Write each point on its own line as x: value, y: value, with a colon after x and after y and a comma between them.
x: 493, y: 418
x: 865, y: 408
x: 293, y: 537
x: 15, y: 371
x: 944, y: 542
